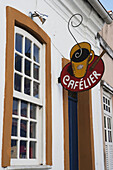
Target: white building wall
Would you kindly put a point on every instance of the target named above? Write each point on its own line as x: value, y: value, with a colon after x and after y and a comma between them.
x: 97, y: 127
x: 59, y: 13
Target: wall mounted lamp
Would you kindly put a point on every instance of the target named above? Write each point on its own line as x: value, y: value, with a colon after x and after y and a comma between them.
x: 42, y: 17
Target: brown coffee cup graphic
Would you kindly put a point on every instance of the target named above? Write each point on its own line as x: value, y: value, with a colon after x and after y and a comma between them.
x: 79, y: 56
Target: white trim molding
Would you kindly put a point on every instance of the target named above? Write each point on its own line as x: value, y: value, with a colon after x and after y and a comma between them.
x: 107, y: 87
x: 104, y: 45
x: 44, y: 167
x: 101, y: 10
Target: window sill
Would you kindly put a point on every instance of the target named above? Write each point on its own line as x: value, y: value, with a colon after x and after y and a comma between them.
x: 44, y: 167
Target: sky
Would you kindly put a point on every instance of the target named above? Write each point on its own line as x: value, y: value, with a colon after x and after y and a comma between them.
x: 108, y: 4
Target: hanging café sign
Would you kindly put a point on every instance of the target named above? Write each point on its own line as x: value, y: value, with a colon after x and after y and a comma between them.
x: 84, y: 70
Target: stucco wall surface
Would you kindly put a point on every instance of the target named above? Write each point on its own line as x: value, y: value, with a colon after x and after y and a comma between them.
x: 61, y: 43
x: 107, y: 34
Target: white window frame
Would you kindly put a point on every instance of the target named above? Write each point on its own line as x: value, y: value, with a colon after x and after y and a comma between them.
x: 16, y: 93
x: 41, y: 136
x: 107, y: 143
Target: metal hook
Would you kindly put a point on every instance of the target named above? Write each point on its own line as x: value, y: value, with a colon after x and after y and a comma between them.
x: 74, y: 26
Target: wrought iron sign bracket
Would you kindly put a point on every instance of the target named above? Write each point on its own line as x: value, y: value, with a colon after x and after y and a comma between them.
x: 85, y: 69
x: 59, y: 80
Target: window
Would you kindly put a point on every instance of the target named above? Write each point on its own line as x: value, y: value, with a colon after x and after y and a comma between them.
x: 27, y: 113
x: 107, y: 106
x: 15, y: 17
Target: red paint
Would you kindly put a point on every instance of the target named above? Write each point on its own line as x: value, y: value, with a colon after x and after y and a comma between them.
x: 70, y: 82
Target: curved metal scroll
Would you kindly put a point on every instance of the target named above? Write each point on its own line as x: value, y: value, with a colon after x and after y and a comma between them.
x: 74, y: 27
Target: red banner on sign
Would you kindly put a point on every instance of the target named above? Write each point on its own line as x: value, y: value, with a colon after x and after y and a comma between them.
x: 92, y: 76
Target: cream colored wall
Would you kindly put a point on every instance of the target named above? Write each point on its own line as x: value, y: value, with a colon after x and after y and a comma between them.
x: 108, y: 74
x: 107, y: 34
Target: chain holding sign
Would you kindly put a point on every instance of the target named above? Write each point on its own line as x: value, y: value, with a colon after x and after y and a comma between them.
x: 85, y: 69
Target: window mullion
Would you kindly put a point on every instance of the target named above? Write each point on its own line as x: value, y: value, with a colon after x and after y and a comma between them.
x: 32, y: 71
x: 28, y: 131
x: 19, y: 113
x: 23, y: 63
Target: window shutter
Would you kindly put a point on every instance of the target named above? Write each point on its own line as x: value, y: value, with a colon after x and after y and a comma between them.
x: 107, y: 163
x: 111, y: 156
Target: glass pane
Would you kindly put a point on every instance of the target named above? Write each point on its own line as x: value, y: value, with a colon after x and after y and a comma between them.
x: 13, y: 148
x: 32, y: 150
x: 23, y: 149
x: 27, y: 68
x: 17, y: 82
x: 27, y: 47
x: 109, y: 136
x: 27, y: 85
x: 18, y: 43
x: 105, y: 136
x: 104, y: 99
x: 109, y: 109
x: 36, y: 53
x: 32, y: 130
x: 24, y: 108
x: 18, y: 63
x: 104, y: 107
x: 15, y: 106
x: 104, y: 121
x: 36, y: 89
x: 36, y: 72
x: 109, y: 102
x: 23, y: 128
x: 33, y: 111
x: 109, y: 123
x: 14, y: 127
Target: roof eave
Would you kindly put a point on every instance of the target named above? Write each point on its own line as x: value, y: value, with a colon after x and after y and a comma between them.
x: 99, y: 8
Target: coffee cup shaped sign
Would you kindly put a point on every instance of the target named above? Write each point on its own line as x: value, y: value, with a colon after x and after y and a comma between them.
x: 85, y: 69
x: 79, y: 56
